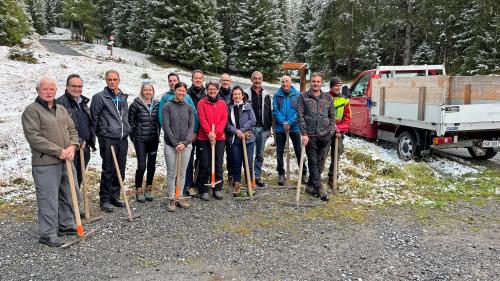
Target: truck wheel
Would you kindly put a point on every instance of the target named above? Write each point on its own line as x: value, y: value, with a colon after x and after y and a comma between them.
x: 481, y: 153
x: 407, y: 146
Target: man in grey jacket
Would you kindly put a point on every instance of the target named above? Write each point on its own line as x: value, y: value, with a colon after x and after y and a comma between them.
x: 109, y: 110
x: 53, y: 138
x: 316, y: 119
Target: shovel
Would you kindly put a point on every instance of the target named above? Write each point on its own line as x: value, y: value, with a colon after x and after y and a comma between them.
x: 131, y: 216
x: 79, y: 227
x: 335, y: 189
x: 213, y: 183
x: 85, y: 190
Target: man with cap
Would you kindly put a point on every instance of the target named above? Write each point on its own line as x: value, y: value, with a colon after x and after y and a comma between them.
x: 342, y: 122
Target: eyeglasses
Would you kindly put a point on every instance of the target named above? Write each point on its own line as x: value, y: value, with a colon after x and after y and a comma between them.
x: 76, y: 86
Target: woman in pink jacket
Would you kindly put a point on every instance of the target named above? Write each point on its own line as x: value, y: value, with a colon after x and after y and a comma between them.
x: 212, y: 114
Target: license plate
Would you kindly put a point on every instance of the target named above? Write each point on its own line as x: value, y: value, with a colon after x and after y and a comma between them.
x: 491, y: 143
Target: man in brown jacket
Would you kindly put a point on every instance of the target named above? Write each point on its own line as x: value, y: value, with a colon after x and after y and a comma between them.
x: 52, y: 138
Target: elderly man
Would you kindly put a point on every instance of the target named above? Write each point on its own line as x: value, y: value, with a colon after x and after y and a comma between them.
x: 53, y: 138
x: 285, y: 115
x: 261, y: 104
x: 225, y: 95
x: 109, y: 110
x: 316, y: 119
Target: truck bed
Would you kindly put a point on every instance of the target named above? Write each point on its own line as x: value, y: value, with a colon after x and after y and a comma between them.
x: 439, y: 103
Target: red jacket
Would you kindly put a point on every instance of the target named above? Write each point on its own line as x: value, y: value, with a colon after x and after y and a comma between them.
x: 212, y: 113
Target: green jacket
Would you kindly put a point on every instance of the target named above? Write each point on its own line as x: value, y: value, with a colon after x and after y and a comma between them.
x: 48, y: 132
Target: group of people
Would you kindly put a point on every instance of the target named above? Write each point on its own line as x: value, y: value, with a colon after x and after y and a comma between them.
x: 199, y: 123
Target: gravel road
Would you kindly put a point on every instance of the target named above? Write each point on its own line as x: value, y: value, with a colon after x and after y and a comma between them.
x: 264, y: 240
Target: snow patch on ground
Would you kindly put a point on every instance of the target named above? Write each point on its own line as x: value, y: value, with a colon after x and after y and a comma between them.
x: 58, y: 34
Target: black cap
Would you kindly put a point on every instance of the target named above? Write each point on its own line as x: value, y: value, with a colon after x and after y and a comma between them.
x: 334, y: 81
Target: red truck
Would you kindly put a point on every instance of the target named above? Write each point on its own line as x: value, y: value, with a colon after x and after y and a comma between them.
x: 419, y: 107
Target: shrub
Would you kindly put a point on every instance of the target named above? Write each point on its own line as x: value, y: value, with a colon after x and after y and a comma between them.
x: 19, y: 54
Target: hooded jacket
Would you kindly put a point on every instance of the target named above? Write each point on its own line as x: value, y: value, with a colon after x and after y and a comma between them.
x: 285, y: 110
x: 110, y: 114
x: 342, y: 112
x: 143, y: 120
x: 73, y: 107
x: 212, y: 113
x: 169, y: 96
x: 247, y: 121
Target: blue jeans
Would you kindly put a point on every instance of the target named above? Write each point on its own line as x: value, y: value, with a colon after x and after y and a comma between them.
x: 260, y: 143
x: 238, y: 159
x: 280, y: 151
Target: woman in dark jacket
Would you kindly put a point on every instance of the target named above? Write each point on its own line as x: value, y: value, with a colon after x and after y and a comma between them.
x: 178, y: 126
x: 143, y: 120
x: 240, y: 122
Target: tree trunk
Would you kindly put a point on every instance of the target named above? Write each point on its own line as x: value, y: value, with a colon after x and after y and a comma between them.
x: 407, y: 46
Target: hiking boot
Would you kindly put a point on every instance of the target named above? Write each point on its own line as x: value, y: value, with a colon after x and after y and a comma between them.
x: 281, y: 180
x: 171, y: 205
x: 260, y: 183
x: 323, y: 195
x: 117, y: 203
x: 107, y: 207
x: 218, y: 195
x: 204, y: 196
x: 310, y: 189
x: 148, y: 194
x: 65, y: 232
x: 139, y: 195
x: 52, y: 241
x: 183, y: 204
x: 305, y: 178
x: 236, y: 189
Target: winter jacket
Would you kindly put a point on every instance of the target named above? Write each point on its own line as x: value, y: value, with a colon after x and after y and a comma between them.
x: 48, y: 131
x: 170, y: 95
x: 196, y: 95
x: 342, y: 113
x: 212, y: 113
x: 285, y: 110
x: 73, y: 109
x: 110, y: 114
x: 267, y: 118
x: 179, y: 123
x: 225, y: 95
x: 316, y: 115
x: 247, y: 121
x: 143, y: 120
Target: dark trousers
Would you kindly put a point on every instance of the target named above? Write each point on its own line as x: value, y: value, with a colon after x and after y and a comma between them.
x: 238, y: 159
x: 280, y: 150
x: 332, y: 155
x: 229, y: 161
x: 76, y: 161
x: 204, y: 156
x: 146, y: 159
x: 110, y: 186
x: 190, y: 167
x: 316, y: 150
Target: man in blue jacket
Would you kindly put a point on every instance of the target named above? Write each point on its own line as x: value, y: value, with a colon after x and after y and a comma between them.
x: 285, y: 115
x: 109, y: 110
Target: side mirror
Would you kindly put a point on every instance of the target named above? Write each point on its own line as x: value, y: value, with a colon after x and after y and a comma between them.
x: 345, y: 91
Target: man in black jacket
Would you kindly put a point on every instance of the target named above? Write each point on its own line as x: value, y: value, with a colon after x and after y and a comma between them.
x: 77, y: 106
x: 109, y: 110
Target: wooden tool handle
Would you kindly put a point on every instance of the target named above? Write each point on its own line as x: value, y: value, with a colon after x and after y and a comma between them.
x: 74, y: 200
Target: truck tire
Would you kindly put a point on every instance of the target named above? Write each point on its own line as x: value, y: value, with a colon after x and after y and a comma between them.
x: 481, y: 153
x: 408, y: 148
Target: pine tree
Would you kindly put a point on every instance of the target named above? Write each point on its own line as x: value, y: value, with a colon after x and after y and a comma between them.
x: 14, y: 22
x: 228, y: 12
x: 37, y: 9
x: 188, y: 33
x: 305, y: 32
x: 257, y: 46
x: 103, y: 17
x: 282, y: 21
x: 424, y: 54
x: 140, y: 29
x: 369, y: 50
x: 51, y: 14
x: 122, y: 13
x: 80, y: 16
